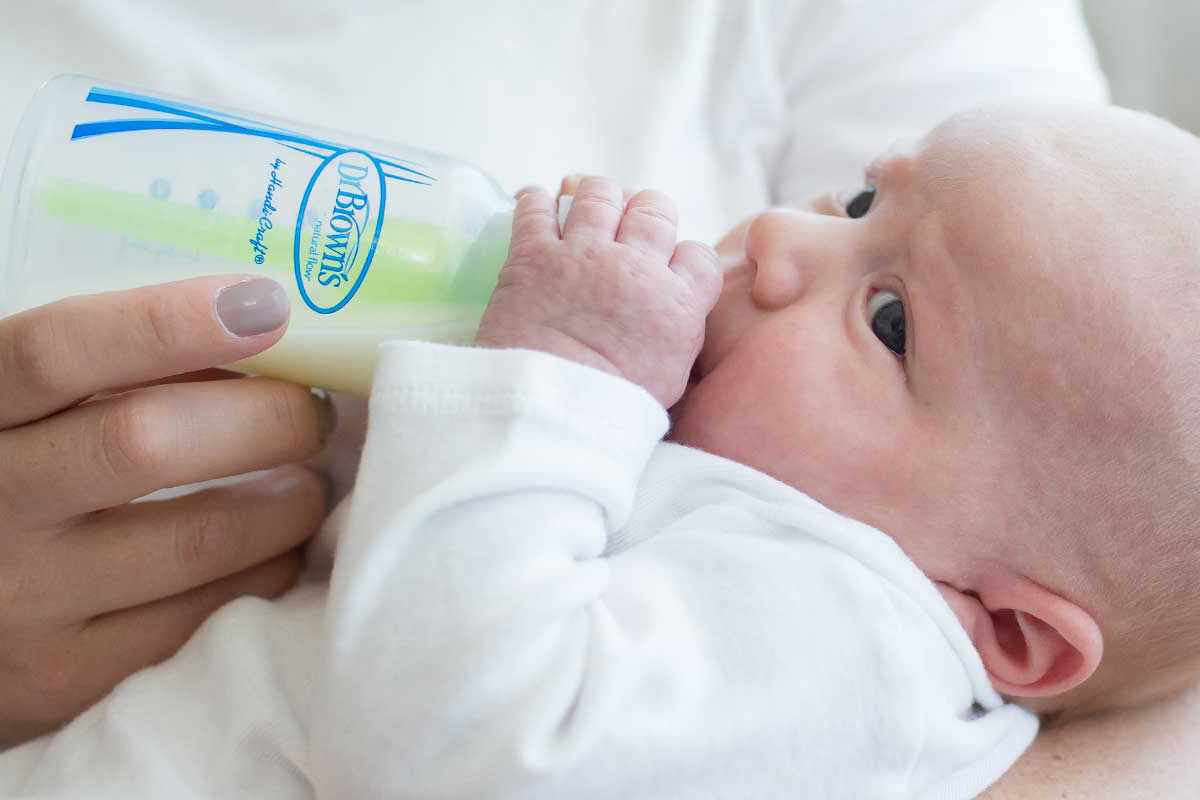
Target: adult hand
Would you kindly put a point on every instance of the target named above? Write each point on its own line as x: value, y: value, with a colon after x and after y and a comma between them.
x: 613, y: 290
x: 104, y: 399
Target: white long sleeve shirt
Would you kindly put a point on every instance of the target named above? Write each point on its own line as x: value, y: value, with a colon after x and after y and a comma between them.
x: 534, y: 596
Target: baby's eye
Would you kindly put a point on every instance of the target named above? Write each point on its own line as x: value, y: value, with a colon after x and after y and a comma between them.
x: 886, y: 313
x: 860, y: 204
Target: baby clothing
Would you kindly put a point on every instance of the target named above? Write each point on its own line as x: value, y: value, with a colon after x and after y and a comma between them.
x: 534, y: 596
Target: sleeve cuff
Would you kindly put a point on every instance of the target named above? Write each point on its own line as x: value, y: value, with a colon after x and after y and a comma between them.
x: 426, y: 378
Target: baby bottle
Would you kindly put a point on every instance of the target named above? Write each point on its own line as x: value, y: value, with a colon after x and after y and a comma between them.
x: 109, y: 187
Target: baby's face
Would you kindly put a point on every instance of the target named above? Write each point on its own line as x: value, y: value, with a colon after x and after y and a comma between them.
x: 920, y: 363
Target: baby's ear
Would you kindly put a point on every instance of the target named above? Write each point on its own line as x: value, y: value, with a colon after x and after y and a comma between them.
x: 1033, y: 642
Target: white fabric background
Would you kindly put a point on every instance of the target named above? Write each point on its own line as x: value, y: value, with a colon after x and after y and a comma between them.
x: 1148, y: 50
x: 746, y: 103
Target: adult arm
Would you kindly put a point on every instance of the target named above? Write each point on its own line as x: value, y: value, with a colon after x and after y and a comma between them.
x: 1153, y: 751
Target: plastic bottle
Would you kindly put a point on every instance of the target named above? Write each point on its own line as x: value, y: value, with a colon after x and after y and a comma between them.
x: 110, y: 187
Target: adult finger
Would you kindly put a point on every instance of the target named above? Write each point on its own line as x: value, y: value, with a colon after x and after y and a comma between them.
x: 110, y: 451
x: 699, y: 264
x: 55, y: 355
x: 595, y: 210
x: 199, y: 376
x: 173, y: 546
x: 651, y: 223
x: 115, y: 645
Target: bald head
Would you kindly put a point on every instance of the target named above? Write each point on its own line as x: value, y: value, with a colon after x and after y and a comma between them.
x: 992, y: 361
x: 1078, y: 229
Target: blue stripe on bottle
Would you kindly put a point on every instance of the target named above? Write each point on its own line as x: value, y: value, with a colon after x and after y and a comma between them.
x: 209, y: 123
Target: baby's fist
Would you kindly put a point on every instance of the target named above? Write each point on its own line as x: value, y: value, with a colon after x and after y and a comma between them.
x: 613, y: 290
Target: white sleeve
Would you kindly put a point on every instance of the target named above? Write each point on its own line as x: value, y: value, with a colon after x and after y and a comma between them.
x: 859, y: 76
x: 470, y: 642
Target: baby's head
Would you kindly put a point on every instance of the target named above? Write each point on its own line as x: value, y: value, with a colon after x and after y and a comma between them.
x: 994, y: 360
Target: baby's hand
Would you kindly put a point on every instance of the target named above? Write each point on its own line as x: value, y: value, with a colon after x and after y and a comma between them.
x: 613, y: 291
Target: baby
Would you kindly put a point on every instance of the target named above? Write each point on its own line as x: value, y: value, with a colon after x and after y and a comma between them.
x: 938, y: 447
x: 990, y: 355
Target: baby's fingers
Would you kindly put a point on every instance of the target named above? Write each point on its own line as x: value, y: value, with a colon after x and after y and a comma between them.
x: 534, y: 216
x: 701, y: 267
x: 566, y: 194
x: 650, y: 224
x: 595, y: 210
x: 570, y: 187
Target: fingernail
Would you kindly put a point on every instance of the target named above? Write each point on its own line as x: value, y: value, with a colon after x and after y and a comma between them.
x: 525, y: 189
x: 252, y: 307
x: 326, y: 412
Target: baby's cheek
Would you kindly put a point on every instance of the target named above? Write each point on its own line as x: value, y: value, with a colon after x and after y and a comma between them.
x: 812, y: 442
x: 795, y: 402
x: 844, y: 466
x: 848, y: 450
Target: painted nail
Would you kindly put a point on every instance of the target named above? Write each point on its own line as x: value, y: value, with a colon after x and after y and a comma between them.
x: 252, y: 307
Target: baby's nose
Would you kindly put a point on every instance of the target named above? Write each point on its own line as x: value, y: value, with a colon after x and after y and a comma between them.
x: 794, y: 252
x: 773, y: 249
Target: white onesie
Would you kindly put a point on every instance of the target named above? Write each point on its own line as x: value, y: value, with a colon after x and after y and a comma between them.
x: 534, y: 596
